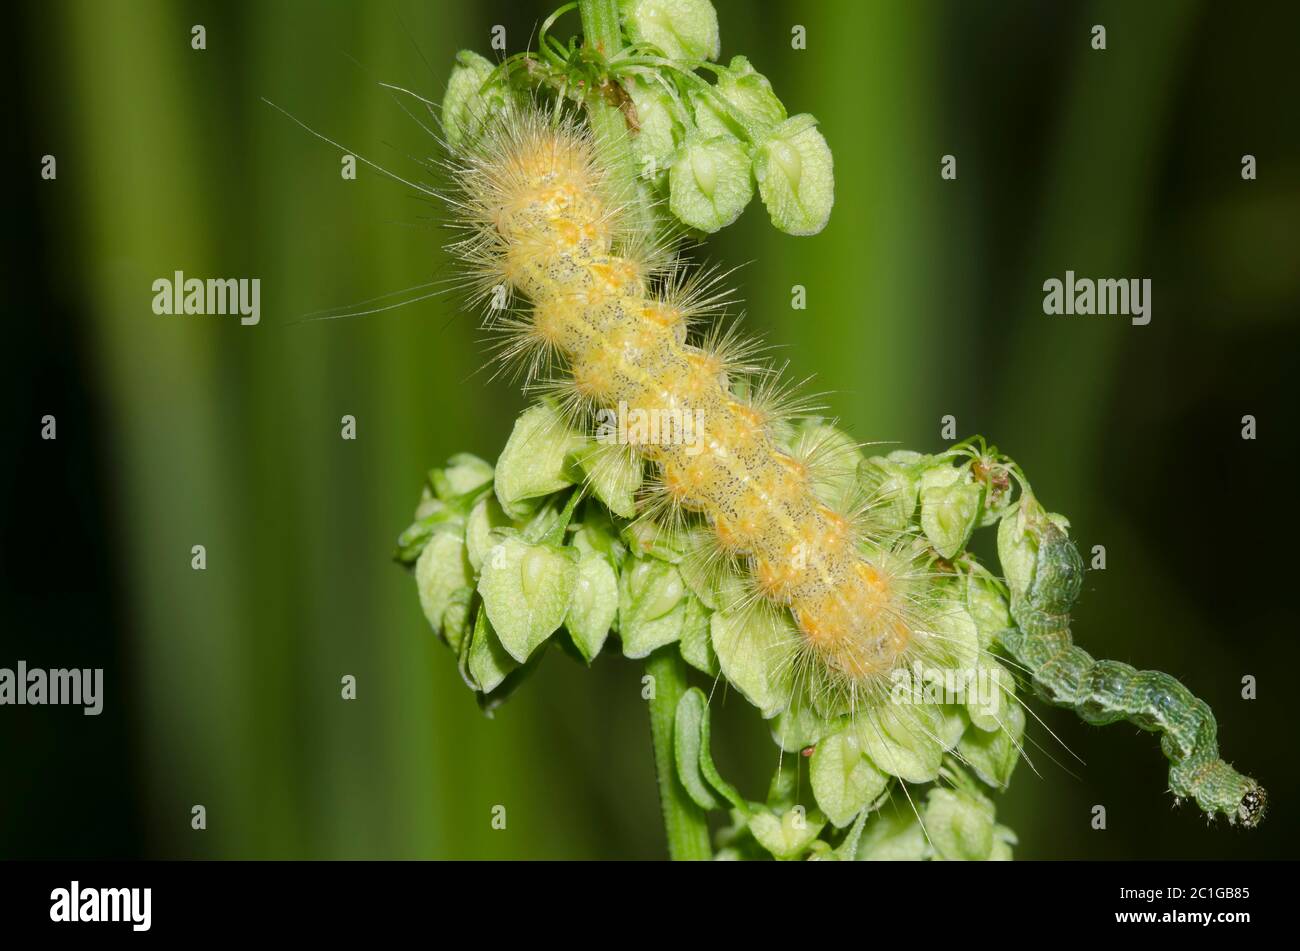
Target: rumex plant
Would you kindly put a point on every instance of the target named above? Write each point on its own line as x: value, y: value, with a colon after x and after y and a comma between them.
x: 667, y: 488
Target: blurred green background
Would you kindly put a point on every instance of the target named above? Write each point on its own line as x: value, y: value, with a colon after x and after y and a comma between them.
x: 924, y: 300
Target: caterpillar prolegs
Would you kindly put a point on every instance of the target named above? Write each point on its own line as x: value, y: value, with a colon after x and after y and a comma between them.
x: 1108, y: 691
x: 544, y: 221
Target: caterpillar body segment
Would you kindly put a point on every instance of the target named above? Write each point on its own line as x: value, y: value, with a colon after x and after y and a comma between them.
x: 542, y: 219
x: 1108, y: 691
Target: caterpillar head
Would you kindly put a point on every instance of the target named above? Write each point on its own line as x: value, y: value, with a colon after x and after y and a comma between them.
x: 1253, y: 806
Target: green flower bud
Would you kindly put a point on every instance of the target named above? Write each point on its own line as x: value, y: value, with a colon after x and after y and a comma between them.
x: 682, y: 29
x: 796, y: 176
x: 844, y: 781
x: 710, y: 183
x: 535, y: 462
x: 527, y: 590
x: 594, y: 606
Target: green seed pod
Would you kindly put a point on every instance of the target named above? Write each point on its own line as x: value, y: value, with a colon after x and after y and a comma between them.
x: 471, y: 97
x: 950, y: 507
x: 710, y: 182
x: 536, y: 460
x: 681, y: 29
x: 891, y: 485
x: 440, y: 571
x: 844, y: 780
x: 527, y: 590
x: 753, y: 649
x: 788, y: 835
x: 652, y: 606
x: 660, y: 127
x: 796, y: 176
x: 745, y: 90
x: 960, y: 823
x: 594, y: 605
x: 464, y: 473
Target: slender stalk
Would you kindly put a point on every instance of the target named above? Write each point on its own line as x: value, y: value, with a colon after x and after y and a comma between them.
x: 684, y: 821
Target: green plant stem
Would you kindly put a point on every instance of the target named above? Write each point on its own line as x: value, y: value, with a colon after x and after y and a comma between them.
x: 601, y: 30
x: 684, y: 821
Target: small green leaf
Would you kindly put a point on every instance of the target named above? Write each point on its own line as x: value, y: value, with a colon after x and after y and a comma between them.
x: 526, y: 590
x: 652, y: 606
x: 843, y: 779
x: 488, y: 662
x: 535, y: 461
x: 594, y: 606
x: 682, y: 29
x: 710, y: 183
x: 796, y: 176
x: 441, y: 569
x: 613, y: 474
x: 753, y: 649
x: 993, y: 754
x: 692, y: 708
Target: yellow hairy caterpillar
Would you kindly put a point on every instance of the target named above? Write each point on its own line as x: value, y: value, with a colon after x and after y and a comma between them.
x: 614, y: 314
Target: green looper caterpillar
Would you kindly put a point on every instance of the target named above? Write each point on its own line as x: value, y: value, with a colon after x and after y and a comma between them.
x: 1108, y: 691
